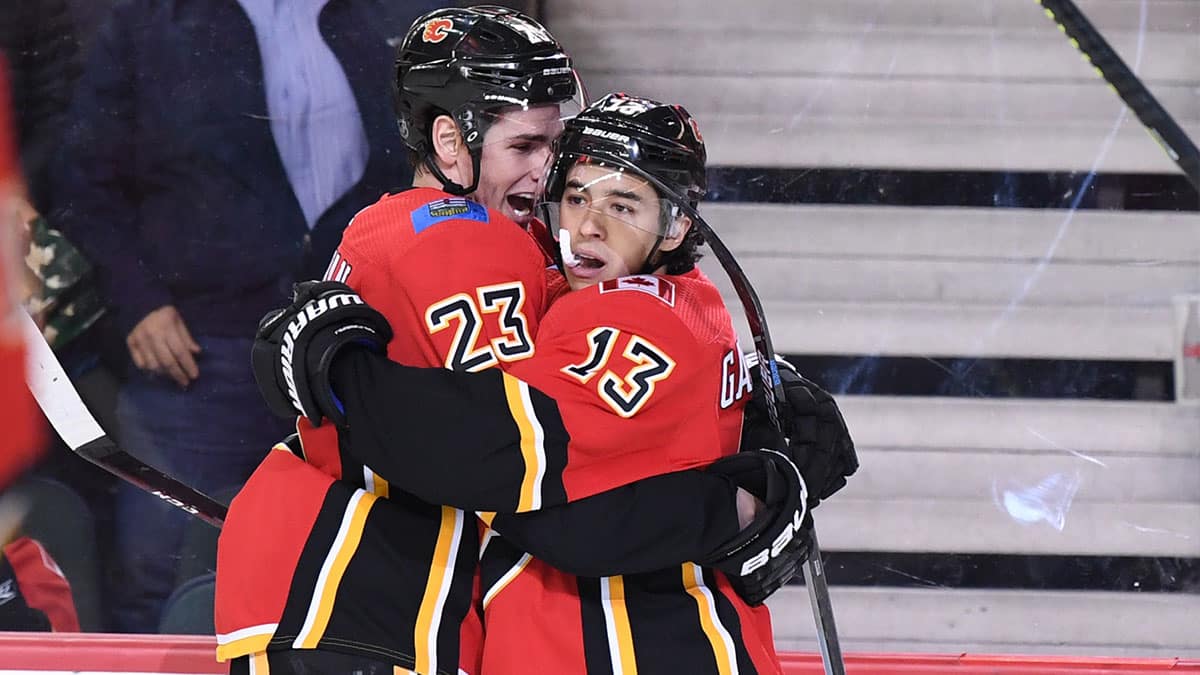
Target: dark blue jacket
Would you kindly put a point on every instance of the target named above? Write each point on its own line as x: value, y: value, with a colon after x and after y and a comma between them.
x: 170, y: 180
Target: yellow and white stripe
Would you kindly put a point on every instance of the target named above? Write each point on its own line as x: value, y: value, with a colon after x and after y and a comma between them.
x: 506, y: 579
x: 259, y: 665
x: 488, y: 532
x: 437, y: 588
x: 349, y: 534
x: 375, y: 484
x: 533, y: 449
x: 616, y: 621
x: 710, y: 622
x: 244, y: 641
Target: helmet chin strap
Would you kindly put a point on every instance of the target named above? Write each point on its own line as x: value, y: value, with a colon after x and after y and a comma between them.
x: 449, y: 185
x: 648, y: 267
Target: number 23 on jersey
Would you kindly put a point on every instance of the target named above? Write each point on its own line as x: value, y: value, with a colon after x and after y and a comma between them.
x: 466, y: 314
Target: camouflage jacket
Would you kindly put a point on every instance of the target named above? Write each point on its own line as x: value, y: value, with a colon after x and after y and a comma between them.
x: 65, y: 297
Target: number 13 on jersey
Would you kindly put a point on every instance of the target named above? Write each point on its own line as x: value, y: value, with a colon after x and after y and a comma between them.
x: 625, y: 395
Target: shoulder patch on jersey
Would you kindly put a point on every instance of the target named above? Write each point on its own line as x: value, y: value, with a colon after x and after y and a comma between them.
x: 451, y: 208
x: 661, y: 288
x: 338, y: 270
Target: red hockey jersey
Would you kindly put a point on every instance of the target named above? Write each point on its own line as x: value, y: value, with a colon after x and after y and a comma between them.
x: 635, y: 377
x: 22, y: 439
x: 648, y: 377
x: 302, y: 555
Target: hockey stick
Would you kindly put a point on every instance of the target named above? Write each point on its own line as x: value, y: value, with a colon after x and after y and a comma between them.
x: 69, y: 416
x: 814, y: 572
x: 1162, y: 127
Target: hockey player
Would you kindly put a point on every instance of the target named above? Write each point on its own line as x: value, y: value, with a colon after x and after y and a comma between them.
x: 22, y: 427
x: 617, y: 365
x: 355, y: 574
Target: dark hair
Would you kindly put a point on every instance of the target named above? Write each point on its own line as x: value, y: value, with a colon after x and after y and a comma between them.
x: 683, y: 258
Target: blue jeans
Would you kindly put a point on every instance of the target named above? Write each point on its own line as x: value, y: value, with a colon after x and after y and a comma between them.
x: 211, y: 436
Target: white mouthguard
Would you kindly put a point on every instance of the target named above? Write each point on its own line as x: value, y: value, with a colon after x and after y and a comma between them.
x: 564, y: 248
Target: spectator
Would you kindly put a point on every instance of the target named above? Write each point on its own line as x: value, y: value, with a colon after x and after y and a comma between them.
x: 217, y: 149
x: 37, y: 38
x: 87, y: 16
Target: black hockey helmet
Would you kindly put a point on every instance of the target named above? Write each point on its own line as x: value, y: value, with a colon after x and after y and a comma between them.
x: 659, y: 142
x: 469, y: 62
x: 652, y: 139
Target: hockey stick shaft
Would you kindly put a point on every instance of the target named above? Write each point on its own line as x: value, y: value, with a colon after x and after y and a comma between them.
x: 60, y: 402
x: 814, y: 571
x: 1158, y: 122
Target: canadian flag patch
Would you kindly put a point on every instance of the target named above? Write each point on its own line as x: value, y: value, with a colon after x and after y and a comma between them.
x: 659, y: 287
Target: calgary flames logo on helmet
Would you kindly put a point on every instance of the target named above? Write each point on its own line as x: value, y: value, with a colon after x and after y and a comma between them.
x: 436, y: 30
x: 695, y: 129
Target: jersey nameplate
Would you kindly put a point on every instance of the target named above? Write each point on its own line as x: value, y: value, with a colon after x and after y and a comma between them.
x: 644, y: 283
x: 453, y: 208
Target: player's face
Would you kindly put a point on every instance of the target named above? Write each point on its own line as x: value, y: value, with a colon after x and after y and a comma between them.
x: 614, y: 219
x: 516, y: 150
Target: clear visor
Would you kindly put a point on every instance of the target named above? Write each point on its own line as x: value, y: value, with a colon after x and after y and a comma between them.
x: 514, y: 145
x: 601, y: 195
x: 521, y: 118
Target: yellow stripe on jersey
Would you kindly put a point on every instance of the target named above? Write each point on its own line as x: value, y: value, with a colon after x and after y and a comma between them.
x: 505, y: 580
x: 441, y: 576
x: 344, y: 545
x: 245, y: 641
x: 259, y: 664
x: 532, y: 450
x: 616, y: 619
x: 710, y: 622
x: 375, y: 483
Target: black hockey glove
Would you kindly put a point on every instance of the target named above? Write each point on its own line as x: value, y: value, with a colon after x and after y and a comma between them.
x: 818, y: 440
x: 766, y: 554
x: 294, y: 348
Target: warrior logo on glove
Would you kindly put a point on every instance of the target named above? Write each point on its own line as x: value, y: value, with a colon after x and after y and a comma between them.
x: 295, y: 347
x: 310, y: 312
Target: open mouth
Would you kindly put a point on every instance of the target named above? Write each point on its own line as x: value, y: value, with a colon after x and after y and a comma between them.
x: 588, y: 262
x: 521, y: 204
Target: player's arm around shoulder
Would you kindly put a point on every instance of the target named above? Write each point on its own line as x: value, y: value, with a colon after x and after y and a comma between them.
x: 464, y: 438
x: 625, y: 371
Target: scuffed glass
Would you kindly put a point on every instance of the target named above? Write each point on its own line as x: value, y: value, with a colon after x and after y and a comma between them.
x: 956, y: 226
x: 953, y: 222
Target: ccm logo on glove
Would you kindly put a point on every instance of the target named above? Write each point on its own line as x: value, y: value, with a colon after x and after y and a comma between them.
x: 311, y: 311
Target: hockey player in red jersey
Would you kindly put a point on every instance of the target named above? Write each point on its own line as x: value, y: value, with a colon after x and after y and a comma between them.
x: 356, y: 573
x: 618, y: 365
x: 22, y: 440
